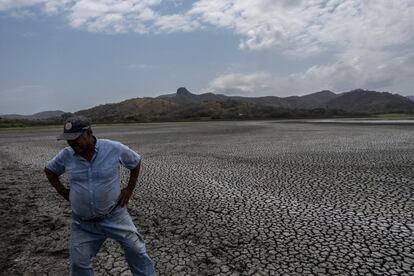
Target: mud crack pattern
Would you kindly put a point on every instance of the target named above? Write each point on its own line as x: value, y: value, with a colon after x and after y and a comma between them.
x: 244, y: 198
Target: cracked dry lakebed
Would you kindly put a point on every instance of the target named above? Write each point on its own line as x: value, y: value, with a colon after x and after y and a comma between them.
x: 229, y: 198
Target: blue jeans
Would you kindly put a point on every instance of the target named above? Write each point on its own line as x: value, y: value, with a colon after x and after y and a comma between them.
x: 87, y: 237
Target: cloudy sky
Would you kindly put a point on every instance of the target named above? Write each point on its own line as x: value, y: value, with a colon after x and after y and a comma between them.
x: 74, y: 54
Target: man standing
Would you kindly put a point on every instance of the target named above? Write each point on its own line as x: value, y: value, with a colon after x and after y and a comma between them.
x: 98, y: 204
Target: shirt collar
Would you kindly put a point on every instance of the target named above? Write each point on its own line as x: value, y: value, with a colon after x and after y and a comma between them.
x: 97, y: 144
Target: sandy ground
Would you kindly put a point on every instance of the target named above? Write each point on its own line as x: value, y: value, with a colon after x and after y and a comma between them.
x: 230, y: 198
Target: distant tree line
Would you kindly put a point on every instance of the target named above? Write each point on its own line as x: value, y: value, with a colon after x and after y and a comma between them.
x: 198, y: 113
x: 9, y: 123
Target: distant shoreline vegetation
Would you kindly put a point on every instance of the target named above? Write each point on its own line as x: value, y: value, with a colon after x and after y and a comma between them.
x: 185, y: 106
x: 188, y: 117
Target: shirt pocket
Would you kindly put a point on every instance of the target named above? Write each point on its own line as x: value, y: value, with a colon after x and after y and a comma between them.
x: 78, y: 175
x: 107, y: 173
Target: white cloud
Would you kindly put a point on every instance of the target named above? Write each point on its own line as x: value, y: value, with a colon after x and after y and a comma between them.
x: 259, y: 83
x: 363, y: 69
x: 55, y: 6
x: 299, y: 28
x: 369, y: 40
x: 174, y: 23
x: 112, y: 16
x: 309, y: 27
x: 21, y: 6
x: 355, y: 69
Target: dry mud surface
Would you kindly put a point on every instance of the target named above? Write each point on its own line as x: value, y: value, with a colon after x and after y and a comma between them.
x: 230, y: 198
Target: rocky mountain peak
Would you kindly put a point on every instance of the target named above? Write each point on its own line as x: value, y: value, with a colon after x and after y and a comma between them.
x: 182, y: 91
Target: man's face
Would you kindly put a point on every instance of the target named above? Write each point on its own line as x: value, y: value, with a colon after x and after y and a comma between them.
x: 81, y: 144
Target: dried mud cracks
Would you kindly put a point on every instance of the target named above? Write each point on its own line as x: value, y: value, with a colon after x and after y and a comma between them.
x: 245, y: 198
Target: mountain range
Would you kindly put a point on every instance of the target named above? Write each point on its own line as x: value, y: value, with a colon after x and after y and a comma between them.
x: 37, y: 116
x: 185, y: 105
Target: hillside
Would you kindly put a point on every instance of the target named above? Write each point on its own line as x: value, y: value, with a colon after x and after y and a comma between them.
x: 186, y: 105
x: 371, y: 102
x: 37, y: 116
x: 314, y: 100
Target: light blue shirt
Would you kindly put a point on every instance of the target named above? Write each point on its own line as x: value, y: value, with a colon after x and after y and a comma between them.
x: 94, y: 185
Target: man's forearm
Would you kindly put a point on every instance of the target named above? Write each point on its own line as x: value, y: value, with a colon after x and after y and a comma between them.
x: 55, y: 182
x: 133, y: 178
x: 127, y: 192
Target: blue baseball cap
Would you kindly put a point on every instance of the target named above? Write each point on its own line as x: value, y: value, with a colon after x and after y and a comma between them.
x: 74, y: 127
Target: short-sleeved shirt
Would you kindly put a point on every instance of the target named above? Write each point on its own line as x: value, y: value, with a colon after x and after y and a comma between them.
x: 95, y: 184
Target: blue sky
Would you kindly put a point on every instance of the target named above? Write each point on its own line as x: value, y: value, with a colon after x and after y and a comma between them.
x: 74, y: 54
